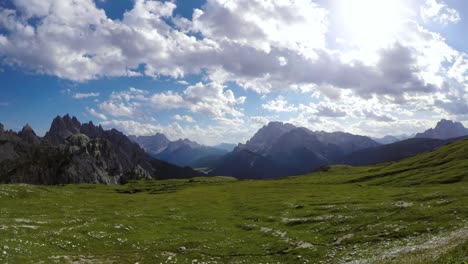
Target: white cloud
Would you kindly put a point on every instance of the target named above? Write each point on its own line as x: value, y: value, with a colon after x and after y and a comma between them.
x: 263, y: 45
x: 85, y: 95
x: 438, y: 11
x: 184, y: 118
x: 183, y: 82
x: 298, y: 25
x: 279, y: 105
x: 217, y: 133
x: 125, y: 103
x: 96, y: 114
x: 378, y: 117
x: 209, y: 99
x: 131, y: 127
x: 212, y: 100
x: 261, y: 120
x: 330, y: 111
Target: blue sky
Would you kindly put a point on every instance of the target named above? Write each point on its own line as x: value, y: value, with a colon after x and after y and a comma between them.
x: 217, y: 70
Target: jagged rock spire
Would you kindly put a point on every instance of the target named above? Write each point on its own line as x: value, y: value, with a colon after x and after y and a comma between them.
x: 61, y: 128
x: 28, y: 135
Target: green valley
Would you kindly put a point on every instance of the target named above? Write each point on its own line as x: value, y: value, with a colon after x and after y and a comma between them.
x: 412, y: 211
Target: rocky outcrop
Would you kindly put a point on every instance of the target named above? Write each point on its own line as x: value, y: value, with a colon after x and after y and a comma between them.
x: 445, y: 129
x: 62, y: 128
x: 89, y: 154
x: 28, y: 135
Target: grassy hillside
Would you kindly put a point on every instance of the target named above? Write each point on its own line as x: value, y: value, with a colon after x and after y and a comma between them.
x: 413, y: 211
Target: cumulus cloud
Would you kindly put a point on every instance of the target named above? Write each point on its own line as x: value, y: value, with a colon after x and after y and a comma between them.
x: 261, y: 120
x: 184, y: 118
x: 268, y: 46
x: 260, y: 45
x: 212, y: 100
x: 279, y: 105
x: 85, y: 95
x: 125, y: 103
x: 131, y: 127
x: 264, y: 24
x: 209, y: 99
x: 330, y: 111
x: 378, y: 117
x: 218, y: 133
x: 96, y: 114
x: 438, y: 11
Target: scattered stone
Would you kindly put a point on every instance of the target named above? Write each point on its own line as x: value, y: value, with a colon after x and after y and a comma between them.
x: 402, y: 204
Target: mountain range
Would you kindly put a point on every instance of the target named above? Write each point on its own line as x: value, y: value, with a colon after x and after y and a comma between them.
x: 280, y: 149
x: 71, y: 152
x: 182, y: 152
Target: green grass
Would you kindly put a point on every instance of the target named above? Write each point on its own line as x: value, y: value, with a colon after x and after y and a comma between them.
x: 413, y: 211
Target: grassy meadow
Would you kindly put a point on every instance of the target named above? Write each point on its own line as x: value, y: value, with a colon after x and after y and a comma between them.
x: 413, y: 211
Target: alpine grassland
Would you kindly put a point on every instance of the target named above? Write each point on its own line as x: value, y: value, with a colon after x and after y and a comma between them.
x: 411, y: 211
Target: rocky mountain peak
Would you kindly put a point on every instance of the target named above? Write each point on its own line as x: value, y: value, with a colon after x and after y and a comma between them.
x: 26, y: 128
x: 28, y: 134
x: 267, y: 135
x: 91, y: 130
x: 445, y: 129
x: 61, y: 128
x: 445, y: 124
x: 2, y: 128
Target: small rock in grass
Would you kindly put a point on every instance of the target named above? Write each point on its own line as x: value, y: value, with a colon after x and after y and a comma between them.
x: 403, y: 204
x: 182, y: 249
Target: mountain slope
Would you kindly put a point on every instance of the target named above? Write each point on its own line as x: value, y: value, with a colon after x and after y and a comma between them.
x: 391, y: 152
x: 447, y: 164
x: 75, y: 153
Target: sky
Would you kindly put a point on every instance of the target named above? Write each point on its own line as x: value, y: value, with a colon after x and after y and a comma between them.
x: 217, y: 70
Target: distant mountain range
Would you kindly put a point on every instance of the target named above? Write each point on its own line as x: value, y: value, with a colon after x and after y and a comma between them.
x: 280, y: 149
x: 182, y: 152
x: 391, y: 139
x: 72, y: 152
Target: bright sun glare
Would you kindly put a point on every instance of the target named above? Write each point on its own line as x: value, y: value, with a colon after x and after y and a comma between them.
x: 371, y: 20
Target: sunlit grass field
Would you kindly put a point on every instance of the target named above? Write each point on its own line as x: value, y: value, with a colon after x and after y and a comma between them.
x: 413, y: 211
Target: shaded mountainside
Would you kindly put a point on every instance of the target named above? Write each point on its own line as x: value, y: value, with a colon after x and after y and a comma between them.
x: 188, y: 153
x: 445, y: 165
x: 282, y: 149
x: 153, y: 145
x: 395, y: 151
x: 74, y: 153
x: 182, y: 152
x: 445, y: 129
x: 391, y: 152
